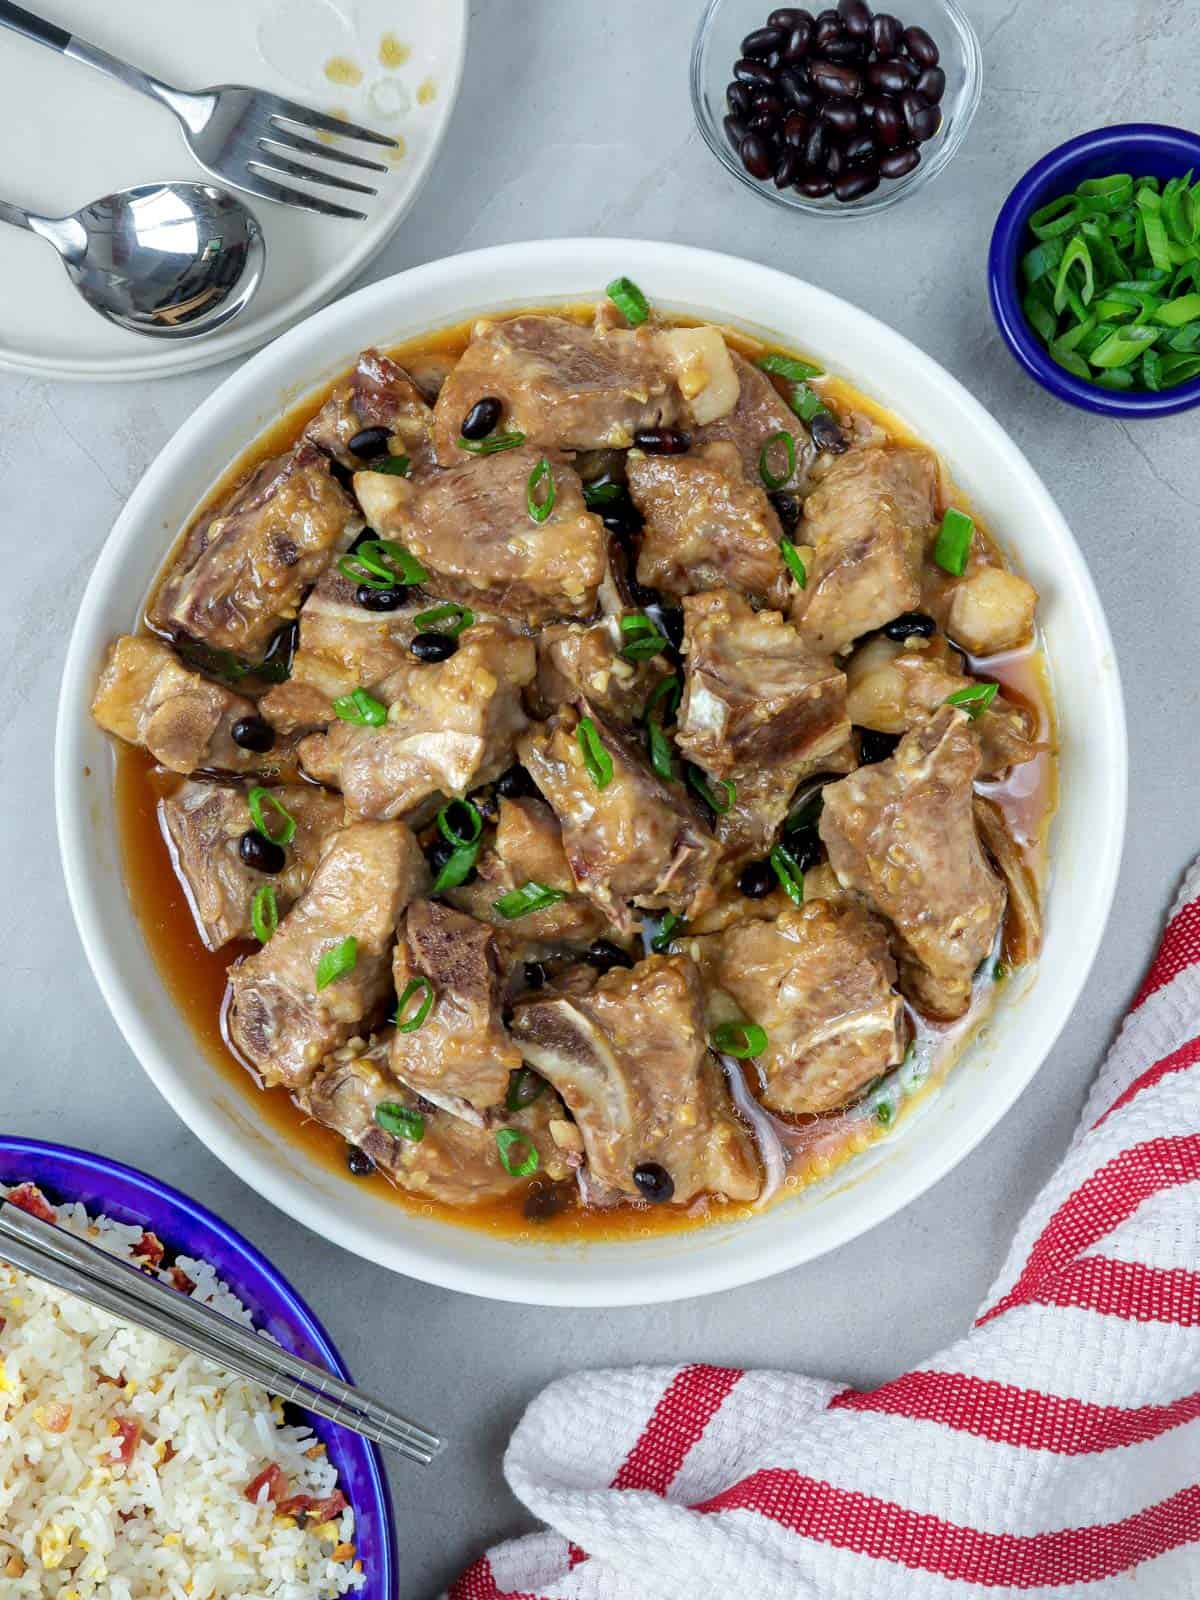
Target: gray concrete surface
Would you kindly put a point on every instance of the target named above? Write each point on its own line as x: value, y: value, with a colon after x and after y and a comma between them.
x: 574, y: 120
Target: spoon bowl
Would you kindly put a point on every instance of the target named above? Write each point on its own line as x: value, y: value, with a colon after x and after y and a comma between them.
x: 170, y: 260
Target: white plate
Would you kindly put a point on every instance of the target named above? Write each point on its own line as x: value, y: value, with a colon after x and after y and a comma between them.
x: 1086, y: 839
x: 72, y: 135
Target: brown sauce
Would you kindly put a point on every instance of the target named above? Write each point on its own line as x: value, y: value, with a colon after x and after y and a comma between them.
x: 196, y: 977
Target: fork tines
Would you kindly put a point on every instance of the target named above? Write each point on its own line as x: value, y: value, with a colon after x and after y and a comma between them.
x: 267, y: 163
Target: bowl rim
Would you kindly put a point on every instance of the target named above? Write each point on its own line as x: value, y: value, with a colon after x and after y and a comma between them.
x: 1051, y: 171
x: 536, y: 273
x: 883, y: 197
x: 104, y: 1168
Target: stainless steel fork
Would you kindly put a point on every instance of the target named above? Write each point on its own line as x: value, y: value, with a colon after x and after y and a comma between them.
x: 236, y: 133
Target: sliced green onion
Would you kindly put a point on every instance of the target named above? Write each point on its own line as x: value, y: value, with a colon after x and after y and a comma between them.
x: 720, y: 803
x: 529, y: 897
x: 360, y: 708
x: 524, y: 1086
x: 382, y: 564
x: 595, y: 757
x: 954, y: 542
x: 1123, y: 345
x: 398, y: 466
x: 629, y: 301
x: 264, y: 913
x: 787, y: 870
x: 740, y: 1039
x: 1176, y: 312
x: 255, y: 801
x: 975, y: 699
x: 1076, y: 254
x: 493, y: 444
x: 807, y: 814
x: 1114, y: 276
x: 402, y: 1122
x: 1056, y: 217
x: 884, y: 1112
x: 666, y: 932
x: 792, y: 560
x: 669, y: 690
x: 807, y: 403
x: 337, y: 961
x: 450, y: 618
x: 510, y: 1142
x: 408, y: 1019
x: 600, y: 494
x: 540, y: 493
x: 465, y: 850
x: 789, y: 367
x: 641, y: 638
x: 775, y: 480
x: 658, y: 744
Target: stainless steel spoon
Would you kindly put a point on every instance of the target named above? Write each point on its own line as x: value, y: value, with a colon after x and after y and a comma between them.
x: 172, y: 260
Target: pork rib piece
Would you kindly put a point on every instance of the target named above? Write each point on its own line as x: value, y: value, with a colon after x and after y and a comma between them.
x: 902, y: 833
x: 471, y: 529
x: 575, y: 661
x: 528, y: 848
x: 637, y: 838
x: 866, y: 524
x: 147, y: 697
x: 204, y: 823
x: 280, y: 1021
x: 819, y: 981
x: 631, y: 1060
x: 891, y: 687
x: 452, y: 1161
x: 460, y: 1056
x: 756, y: 695
x: 707, y: 525
x: 245, y: 565
x: 562, y: 385
x: 341, y: 647
x: 451, y: 726
x: 378, y: 394
x: 760, y: 414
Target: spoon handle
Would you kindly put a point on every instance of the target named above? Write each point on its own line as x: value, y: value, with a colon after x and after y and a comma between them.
x: 35, y: 28
x: 15, y: 215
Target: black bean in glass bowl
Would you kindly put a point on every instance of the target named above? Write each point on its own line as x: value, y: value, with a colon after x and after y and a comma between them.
x: 835, y: 109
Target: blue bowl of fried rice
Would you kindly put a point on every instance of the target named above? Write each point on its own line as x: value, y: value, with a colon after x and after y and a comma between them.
x: 131, y: 1469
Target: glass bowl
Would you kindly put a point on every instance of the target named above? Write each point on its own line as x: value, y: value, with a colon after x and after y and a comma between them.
x: 718, y: 45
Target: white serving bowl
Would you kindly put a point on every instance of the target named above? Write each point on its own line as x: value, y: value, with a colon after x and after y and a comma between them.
x: 1085, y: 842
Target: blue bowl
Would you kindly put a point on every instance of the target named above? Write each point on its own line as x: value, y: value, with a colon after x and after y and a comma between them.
x: 1144, y: 149
x: 189, y: 1229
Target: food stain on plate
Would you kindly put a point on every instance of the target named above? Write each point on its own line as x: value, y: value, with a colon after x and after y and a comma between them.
x: 393, y: 52
x: 343, y: 70
x: 427, y: 93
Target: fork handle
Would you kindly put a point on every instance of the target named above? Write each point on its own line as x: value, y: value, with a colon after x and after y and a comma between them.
x: 35, y: 28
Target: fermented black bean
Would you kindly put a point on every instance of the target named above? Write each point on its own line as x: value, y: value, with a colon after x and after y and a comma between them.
x: 922, y: 120
x: 796, y: 45
x: 737, y: 97
x: 735, y: 131
x: 787, y: 167
x: 856, y: 18
x: 832, y: 77
x: 762, y: 41
x: 756, y: 155
x: 931, y: 85
x: 795, y: 130
x: 753, y: 72
x: 664, y: 441
x: 885, y: 33
x: 892, y: 77
x: 815, y: 185
x: 482, y: 418
x: 887, y: 122
x: 897, y: 162
x: 921, y: 47
x: 841, y: 116
x: 789, y: 17
x: 817, y: 148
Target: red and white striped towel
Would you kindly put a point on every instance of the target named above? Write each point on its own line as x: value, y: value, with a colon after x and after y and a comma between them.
x: 1057, y: 1445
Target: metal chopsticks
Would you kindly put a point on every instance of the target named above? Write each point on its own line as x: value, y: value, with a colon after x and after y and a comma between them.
x: 83, y: 1269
